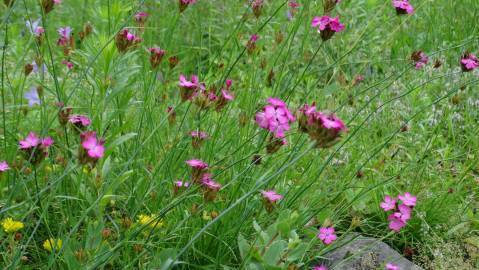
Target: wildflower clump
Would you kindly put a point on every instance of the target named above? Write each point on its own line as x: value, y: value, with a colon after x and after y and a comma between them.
x: 11, y: 226
x: 325, y: 129
x: 198, y: 169
x: 401, y: 211
x: 420, y: 59
x: 126, y: 40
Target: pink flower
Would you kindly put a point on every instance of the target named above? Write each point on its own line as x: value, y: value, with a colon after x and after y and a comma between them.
x: 185, y: 3
x: 94, y: 147
x: 325, y: 129
x: 197, y: 138
x: 141, y: 17
x: 35, y: 28
x: 181, y: 183
x: 197, y: 164
x: 31, y: 141
x: 403, y: 7
x: 46, y: 142
x: 469, y: 62
x: 4, y: 166
x: 420, y: 59
x: 251, y: 45
x: 211, y: 184
x: 57, y: 2
x: 275, y: 117
x: 79, y: 120
x: 194, y: 83
x: 327, y: 26
x: 390, y: 266
x: 320, y: 267
x: 224, y: 98
x: 68, y: 64
x: 327, y: 235
x: 271, y: 196
x: 388, y: 203
x: 126, y: 40
x: 408, y: 199
x: 398, y: 220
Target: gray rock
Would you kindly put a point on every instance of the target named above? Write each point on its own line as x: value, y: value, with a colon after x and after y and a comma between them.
x: 356, y: 252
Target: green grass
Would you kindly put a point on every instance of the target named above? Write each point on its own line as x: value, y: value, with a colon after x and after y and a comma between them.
x: 434, y: 159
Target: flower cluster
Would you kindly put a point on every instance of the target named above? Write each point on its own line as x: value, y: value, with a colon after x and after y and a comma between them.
x: 35, y: 148
x: 210, y: 187
x: 327, y: 26
x: 251, y: 45
x: 420, y: 59
x: 403, y: 7
x: 402, y: 212
x: 179, y: 185
x: 257, y: 6
x: 325, y: 129
x: 91, y: 148
x: 469, y: 62
x: 151, y: 221
x: 52, y: 244
x: 79, y: 121
x: 327, y: 235
x: 189, y: 88
x: 198, y: 169
x: 140, y: 18
x: 126, y: 40
x: 225, y: 96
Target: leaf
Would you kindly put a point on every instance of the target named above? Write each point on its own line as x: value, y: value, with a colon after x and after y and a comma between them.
x: 121, y: 140
x: 243, y: 246
x: 298, y: 252
x: 274, y: 252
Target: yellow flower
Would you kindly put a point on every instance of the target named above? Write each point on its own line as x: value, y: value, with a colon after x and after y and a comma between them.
x: 151, y: 221
x: 51, y: 244
x: 10, y: 226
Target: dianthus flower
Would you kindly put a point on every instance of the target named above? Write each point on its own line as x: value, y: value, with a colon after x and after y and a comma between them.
x: 325, y: 129
x: 270, y: 198
x: 4, y: 166
x: 469, y: 62
x: 327, y: 235
x: 198, y: 169
x: 327, y: 26
x: 91, y: 148
x: 185, y: 3
x: 126, y: 40
x: 420, y: 59
x: 35, y: 148
x: 403, y: 7
x: 210, y: 187
x: 156, y: 56
x: 197, y: 138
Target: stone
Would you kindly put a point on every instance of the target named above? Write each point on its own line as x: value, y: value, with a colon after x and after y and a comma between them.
x: 356, y: 252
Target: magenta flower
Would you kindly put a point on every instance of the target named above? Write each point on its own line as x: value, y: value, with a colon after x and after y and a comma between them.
x: 126, y: 40
x: 469, y: 62
x: 180, y: 184
x: 325, y: 130
x: 327, y: 26
x: 388, y: 204
x: 320, y: 267
x: 403, y: 7
x: 68, y: 64
x: 271, y: 196
x: 327, y: 235
x: 199, y: 169
x: 57, y: 2
x: 390, y: 266
x: 210, y: 187
x: 4, y: 166
x: 398, y: 220
x: 156, y: 56
x: 35, y: 28
x: 35, y: 148
x: 251, y: 45
x: 197, y: 138
x: 257, y: 6
x: 420, y: 59
x: 80, y: 121
x: 408, y: 199
x: 141, y: 17
x: 224, y: 98
x: 93, y: 146
x: 275, y: 117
